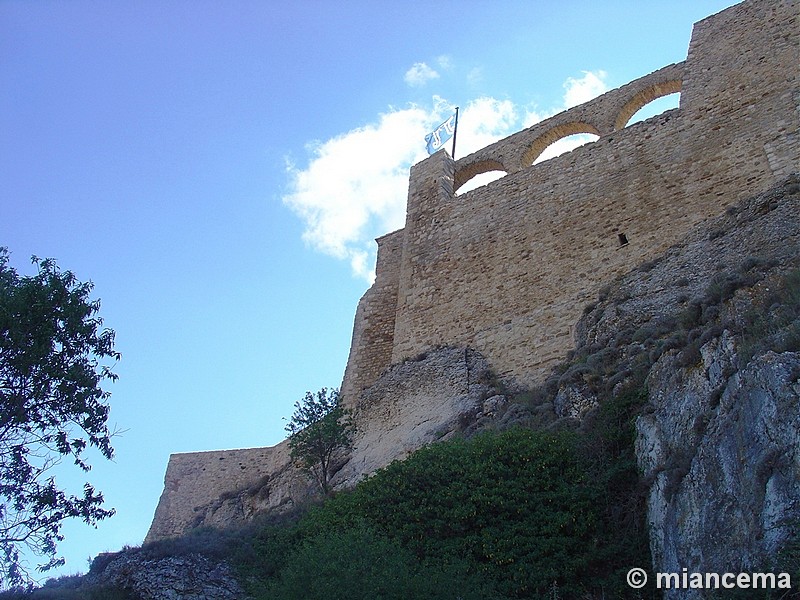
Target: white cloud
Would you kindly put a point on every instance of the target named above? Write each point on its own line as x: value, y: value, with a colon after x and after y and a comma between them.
x: 355, y: 185
x: 475, y: 76
x: 533, y: 116
x: 482, y: 122
x: 420, y: 74
x: 578, y: 91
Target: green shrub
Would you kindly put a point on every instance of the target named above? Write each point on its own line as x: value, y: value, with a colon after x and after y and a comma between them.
x: 358, y: 562
x: 518, y: 510
x: 773, y: 324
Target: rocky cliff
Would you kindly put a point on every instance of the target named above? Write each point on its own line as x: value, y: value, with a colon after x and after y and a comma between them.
x: 709, y: 332
x: 185, y: 577
x: 695, y: 319
x: 721, y: 451
x: 712, y: 329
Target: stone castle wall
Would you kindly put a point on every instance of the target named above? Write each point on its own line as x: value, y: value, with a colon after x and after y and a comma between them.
x: 375, y: 319
x: 194, y: 479
x: 506, y: 269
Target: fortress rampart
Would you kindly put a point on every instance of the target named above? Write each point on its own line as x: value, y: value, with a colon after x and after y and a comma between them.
x: 507, y: 269
x: 194, y: 479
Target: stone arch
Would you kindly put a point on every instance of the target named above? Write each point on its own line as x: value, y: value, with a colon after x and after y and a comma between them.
x: 467, y: 172
x: 551, y: 136
x: 645, y: 96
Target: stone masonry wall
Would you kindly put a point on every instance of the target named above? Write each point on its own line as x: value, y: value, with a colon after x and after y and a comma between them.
x: 193, y: 479
x: 507, y: 268
x: 373, y: 330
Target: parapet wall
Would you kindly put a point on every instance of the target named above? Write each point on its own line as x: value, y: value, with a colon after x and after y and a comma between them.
x: 194, y: 479
x: 507, y: 268
x: 601, y: 116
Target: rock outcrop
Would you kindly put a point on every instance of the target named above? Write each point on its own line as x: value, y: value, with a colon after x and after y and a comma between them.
x: 415, y: 403
x: 718, y: 440
x: 721, y: 450
x: 188, y: 577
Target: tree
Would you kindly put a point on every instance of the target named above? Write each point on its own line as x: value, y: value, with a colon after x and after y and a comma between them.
x: 53, y: 359
x: 320, y: 426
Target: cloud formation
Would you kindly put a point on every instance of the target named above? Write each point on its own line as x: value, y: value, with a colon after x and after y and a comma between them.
x: 583, y: 89
x: 444, y: 62
x: 355, y: 185
x: 420, y: 74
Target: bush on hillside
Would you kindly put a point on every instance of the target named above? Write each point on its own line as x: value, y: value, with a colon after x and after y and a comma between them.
x: 516, y: 514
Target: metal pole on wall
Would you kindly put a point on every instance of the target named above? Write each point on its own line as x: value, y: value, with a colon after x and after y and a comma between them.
x: 455, y: 132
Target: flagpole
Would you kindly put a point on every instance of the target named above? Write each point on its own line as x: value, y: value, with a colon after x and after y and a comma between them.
x: 455, y: 131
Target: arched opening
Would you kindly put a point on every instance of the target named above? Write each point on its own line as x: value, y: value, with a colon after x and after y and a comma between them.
x: 480, y: 180
x: 477, y: 174
x: 656, y: 107
x: 558, y: 140
x: 565, y: 144
x: 648, y: 103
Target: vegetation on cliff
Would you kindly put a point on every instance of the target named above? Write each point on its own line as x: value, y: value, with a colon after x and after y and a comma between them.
x: 319, y: 429
x: 514, y: 514
x: 553, y: 507
x: 511, y: 514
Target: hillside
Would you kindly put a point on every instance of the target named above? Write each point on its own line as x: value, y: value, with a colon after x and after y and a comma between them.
x: 671, y: 431
x: 586, y: 365
x: 487, y: 287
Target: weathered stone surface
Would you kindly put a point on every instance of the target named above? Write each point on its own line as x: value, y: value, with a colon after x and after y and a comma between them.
x: 721, y: 449
x: 224, y: 487
x: 413, y: 404
x: 573, y: 402
x: 492, y: 406
x: 191, y: 577
x: 373, y: 326
x: 763, y: 231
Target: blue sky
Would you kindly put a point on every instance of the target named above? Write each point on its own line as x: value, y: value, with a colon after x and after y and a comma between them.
x: 220, y: 169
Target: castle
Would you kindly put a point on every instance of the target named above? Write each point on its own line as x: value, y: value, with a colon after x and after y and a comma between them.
x: 506, y: 269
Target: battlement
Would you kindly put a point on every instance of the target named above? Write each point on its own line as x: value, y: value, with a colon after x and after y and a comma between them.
x: 601, y: 116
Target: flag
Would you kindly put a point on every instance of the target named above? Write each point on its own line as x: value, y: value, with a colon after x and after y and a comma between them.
x: 441, y: 134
